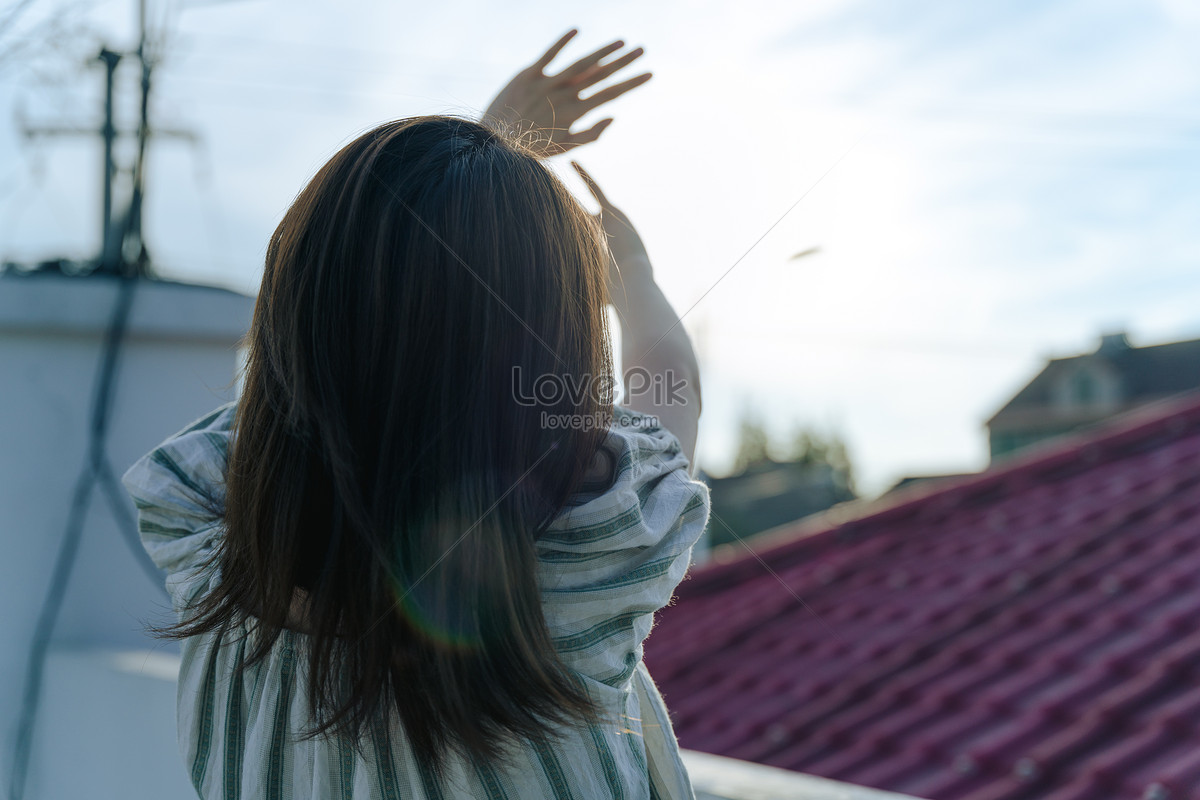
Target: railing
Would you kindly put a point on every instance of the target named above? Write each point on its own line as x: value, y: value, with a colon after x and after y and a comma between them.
x: 720, y: 778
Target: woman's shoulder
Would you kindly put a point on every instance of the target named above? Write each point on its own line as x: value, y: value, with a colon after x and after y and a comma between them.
x: 185, y: 474
x: 627, y: 422
x: 179, y: 490
x: 638, y: 468
x: 633, y: 443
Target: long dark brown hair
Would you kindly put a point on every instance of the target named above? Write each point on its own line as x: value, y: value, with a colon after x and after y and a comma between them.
x: 384, y: 474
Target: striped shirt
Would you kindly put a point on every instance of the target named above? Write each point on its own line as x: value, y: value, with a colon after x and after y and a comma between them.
x: 606, y: 565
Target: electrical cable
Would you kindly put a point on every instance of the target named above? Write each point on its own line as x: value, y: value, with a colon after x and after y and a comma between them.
x: 118, y: 503
x: 13, y: 15
x: 68, y: 550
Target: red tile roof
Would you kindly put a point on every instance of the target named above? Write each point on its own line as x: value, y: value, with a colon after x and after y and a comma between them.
x: 1029, y: 632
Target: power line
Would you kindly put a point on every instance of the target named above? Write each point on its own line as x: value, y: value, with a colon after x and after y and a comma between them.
x: 306, y: 49
x: 11, y: 18
x: 123, y: 256
x: 47, y: 35
x: 840, y: 341
x: 306, y: 61
x: 333, y: 92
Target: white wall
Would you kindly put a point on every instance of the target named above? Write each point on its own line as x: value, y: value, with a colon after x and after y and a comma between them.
x: 178, y: 361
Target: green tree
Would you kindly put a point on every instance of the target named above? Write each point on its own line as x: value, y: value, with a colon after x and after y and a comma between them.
x: 753, y: 441
x: 810, y: 447
x: 807, y: 447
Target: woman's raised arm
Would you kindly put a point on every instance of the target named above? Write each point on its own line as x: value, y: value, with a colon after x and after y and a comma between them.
x: 662, y: 376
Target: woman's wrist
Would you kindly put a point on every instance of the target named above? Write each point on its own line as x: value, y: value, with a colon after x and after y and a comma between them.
x: 633, y: 274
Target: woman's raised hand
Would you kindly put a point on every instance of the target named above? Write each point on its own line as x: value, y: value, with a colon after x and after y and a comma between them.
x: 549, y: 105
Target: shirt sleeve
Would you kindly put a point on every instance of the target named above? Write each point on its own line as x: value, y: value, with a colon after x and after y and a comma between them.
x: 610, y: 562
x: 179, y: 490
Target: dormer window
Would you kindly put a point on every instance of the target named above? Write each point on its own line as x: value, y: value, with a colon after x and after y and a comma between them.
x: 1087, y: 386
x: 1083, y: 388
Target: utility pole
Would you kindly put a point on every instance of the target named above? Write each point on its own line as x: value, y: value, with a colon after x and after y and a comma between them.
x: 108, y: 254
x: 122, y: 248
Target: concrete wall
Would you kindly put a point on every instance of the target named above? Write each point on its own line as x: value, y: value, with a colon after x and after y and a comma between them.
x: 179, y: 361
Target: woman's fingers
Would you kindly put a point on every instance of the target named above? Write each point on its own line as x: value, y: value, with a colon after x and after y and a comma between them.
x: 588, y: 62
x: 554, y: 50
x: 616, y: 90
x: 602, y: 71
x: 590, y: 135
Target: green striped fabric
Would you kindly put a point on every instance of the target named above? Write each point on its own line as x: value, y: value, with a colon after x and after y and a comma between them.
x: 606, y: 565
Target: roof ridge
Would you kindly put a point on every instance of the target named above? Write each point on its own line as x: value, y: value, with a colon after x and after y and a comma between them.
x: 1164, y: 344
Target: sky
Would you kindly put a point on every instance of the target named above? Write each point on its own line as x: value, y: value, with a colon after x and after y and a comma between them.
x: 986, y: 185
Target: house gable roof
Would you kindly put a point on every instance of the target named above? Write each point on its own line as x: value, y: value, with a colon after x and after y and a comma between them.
x: 1145, y: 373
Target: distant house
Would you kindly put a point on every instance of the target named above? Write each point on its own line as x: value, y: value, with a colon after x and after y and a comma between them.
x: 771, y: 493
x: 1072, y: 393
x: 1028, y: 632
